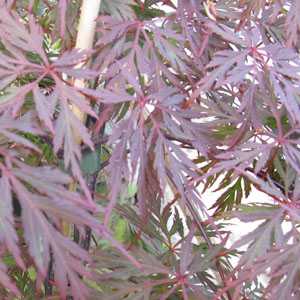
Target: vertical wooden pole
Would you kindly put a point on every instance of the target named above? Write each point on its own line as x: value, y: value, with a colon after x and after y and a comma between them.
x: 85, y: 38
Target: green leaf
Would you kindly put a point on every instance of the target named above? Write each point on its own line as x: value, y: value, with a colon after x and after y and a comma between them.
x: 271, y: 122
x: 101, y: 187
x: 225, y: 131
x: 132, y: 190
x: 177, y: 226
x: 32, y: 273
x: 148, y: 13
x: 230, y: 198
x: 9, y: 260
x: 121, y: 230
x: 90, y: 162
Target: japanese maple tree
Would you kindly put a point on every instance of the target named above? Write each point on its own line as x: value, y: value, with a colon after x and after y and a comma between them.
x: 116, y: 118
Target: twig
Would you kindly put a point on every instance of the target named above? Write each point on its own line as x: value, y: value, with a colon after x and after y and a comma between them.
x: 50, y: 277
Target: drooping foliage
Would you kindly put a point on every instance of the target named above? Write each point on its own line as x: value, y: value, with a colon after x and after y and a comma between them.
x: 181, y: 98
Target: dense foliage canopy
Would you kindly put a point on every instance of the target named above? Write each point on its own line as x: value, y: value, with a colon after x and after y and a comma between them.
x: 177, y: 98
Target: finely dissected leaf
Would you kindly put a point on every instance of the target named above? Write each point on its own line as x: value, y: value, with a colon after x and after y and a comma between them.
x: 228, y: 67
x: 230, y: 198
x: 8, y: 234
x: 10, y: 127
x: 67, y: 127
x: 226, y: 33
x: 287, y: 272
x: 267, y: 235
x: 17, y: 35
x: 44, y: 107
x: 116, y: 279
x: 293, y: 23
x: 186, y: 250
x: 41, y: 234
x: 244, y: 157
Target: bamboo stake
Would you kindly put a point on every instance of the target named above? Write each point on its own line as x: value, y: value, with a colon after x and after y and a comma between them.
x: 85, y: 39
